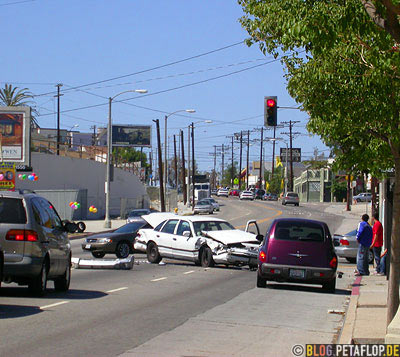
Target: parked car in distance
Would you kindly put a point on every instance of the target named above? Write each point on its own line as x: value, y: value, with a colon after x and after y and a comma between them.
x: 346, y: 246
x: 298, y: 251
x: 35, y: 242
x: 223, y: 192
x: 214, y: 192
x: 203, y: 206
x: 234, y: 193
x: 213, y: 202
x: 291, y: 198
x: 271, y: 197
x: 246, y: 195
x: 363, y: 197
x: 118, y: 242
x: 136, y: 214
x: 259, y: 194
x: 201, y: 240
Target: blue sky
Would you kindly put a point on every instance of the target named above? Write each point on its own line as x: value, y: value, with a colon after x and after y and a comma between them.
x: 78, y: 42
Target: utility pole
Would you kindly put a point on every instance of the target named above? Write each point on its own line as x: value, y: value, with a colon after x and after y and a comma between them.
x: 247, y: 167
x: 176, y: 164
x: 215, y: 163
x: 193, y: 181
x: 240, y: 160
x: 291, y: 134
x: 160, y: 168
x: 151, y: 167
x: 232, y: 166
x: 93, y: 135
x: 261, y: 159
x: 223, y: 156
x: 183, y: 171
x: 59, y: 85
x: 188, y: 176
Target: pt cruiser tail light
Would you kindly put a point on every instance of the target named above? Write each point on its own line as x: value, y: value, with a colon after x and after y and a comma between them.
x: 262, y: 256
x: 20, y: 235
x: 333, y: 262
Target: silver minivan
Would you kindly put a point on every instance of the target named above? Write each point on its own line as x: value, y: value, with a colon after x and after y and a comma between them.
x: 34, y: 241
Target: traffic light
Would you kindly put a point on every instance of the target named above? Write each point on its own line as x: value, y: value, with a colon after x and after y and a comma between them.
x: 270, y: 111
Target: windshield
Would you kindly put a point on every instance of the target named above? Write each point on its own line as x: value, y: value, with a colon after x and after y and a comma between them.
x: 211, y: 226
x: 12, y: 211
x: 130, y: 227
x: 138, y: 213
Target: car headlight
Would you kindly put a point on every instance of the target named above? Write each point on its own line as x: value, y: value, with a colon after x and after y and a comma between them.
x: 104, y: 240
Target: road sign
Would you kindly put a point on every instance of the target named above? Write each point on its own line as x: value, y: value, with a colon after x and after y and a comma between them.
x: 236, y: 181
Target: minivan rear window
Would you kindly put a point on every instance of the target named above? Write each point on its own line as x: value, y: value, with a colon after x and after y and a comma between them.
x: 300, y: 231
x: 12, y: 211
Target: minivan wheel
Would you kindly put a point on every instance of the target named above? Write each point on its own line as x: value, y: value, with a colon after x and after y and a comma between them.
x: 261, y: 282
x: 62, y: 283
x: 330, y: 286
x: 122, y: 250
x: 38, y: 285
x: 207, y: 258
x: 153, y: 256
x: 81, y: 227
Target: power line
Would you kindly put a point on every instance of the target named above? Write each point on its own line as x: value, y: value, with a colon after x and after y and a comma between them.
x: 149, y: 69
x: 16, y: 2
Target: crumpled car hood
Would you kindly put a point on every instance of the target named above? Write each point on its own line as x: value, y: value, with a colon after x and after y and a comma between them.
x: 233, y: 236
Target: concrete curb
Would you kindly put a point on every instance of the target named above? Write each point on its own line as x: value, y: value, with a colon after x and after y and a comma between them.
x: 393, y: 330
x: 121, y: 264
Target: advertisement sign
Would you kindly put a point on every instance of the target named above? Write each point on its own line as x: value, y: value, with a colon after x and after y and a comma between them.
x: 7, y: 176
x: 15, y: 134
x: 131, y: 135
x: 296, y: 154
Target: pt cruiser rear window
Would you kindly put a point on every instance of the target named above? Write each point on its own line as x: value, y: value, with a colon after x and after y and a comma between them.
x: 302, y: 231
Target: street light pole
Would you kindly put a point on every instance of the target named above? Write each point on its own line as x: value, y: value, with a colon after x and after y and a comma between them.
x: 107, y: 222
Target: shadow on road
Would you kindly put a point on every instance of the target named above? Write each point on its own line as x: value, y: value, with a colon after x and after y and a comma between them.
x: 72, y: 294
x: 14, y: 311
x: 311, y: 289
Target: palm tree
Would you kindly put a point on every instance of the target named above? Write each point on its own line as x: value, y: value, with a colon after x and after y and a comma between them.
x: 12, y: 96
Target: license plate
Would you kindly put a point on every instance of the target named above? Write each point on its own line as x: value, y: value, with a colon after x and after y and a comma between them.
x: 296, y: 273
x: 87, y: 246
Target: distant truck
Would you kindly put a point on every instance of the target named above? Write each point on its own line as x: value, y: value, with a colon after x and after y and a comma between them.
x: 202, y: 188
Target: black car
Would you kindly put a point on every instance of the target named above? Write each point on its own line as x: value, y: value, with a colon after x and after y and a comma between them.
x: 118, y: 242
x: 259, y: 194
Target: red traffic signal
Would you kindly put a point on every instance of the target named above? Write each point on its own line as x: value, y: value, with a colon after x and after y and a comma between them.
x: 271, y: 103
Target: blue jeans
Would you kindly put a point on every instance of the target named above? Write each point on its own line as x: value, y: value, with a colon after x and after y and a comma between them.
x: 377, y: 256
x: 362, y: 260
x: 382, y: 266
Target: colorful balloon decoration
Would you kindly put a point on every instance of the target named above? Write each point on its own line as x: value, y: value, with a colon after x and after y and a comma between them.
x: 1, y: 177
x: 31, y: 177
x: 92, y: 209
x: 74, y: 205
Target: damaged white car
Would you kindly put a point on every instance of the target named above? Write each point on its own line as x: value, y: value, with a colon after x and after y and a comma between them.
x: 201, y: 240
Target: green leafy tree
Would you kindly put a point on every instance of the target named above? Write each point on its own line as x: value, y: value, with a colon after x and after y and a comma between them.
x: 12, y: 97
x: 342, y: 64
x: 227, y: 179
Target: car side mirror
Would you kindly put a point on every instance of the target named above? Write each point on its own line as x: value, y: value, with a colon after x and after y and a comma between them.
x: 259, y: 237
x: 187, y: 234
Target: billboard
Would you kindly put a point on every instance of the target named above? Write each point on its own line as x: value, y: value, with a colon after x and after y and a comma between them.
x: 131, y: 135
x: 7, y: 176
x: 296, y: 154
x: 15, y: 134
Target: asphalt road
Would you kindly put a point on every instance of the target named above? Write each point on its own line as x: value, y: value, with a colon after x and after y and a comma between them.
x: 108, y: 312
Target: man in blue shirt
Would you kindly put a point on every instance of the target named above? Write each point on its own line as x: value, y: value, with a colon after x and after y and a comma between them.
x: 364, y: 239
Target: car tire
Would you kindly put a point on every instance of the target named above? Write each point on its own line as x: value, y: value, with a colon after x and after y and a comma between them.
x: 98, y: 254
x: 351, y: 260
x: 81, y: 227
x: 38, y: 285
x: 206, y: 258
x: 261, y: 282
x: 62, y: 283
x: 253, y: 267
x: 330, y: 286
x: 122, y: 251
x: 153, y: 256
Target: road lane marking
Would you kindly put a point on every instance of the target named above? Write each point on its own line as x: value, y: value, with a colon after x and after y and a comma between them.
x: 159, y: 279
x: 115, y: 290
x: 278, y: 213
x: 189, y: 272
x: 53, y: 305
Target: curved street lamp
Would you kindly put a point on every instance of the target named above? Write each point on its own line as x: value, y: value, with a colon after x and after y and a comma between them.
x: 107, y: 222
x: 165, y: 144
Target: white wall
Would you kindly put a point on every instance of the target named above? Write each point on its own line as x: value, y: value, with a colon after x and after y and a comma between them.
x: 59, y: 172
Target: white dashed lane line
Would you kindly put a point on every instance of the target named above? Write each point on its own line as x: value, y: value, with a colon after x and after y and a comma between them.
x: 159, y: 279
x: 115, y: 290
x: 189, y: 272
x: 53, y: 305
